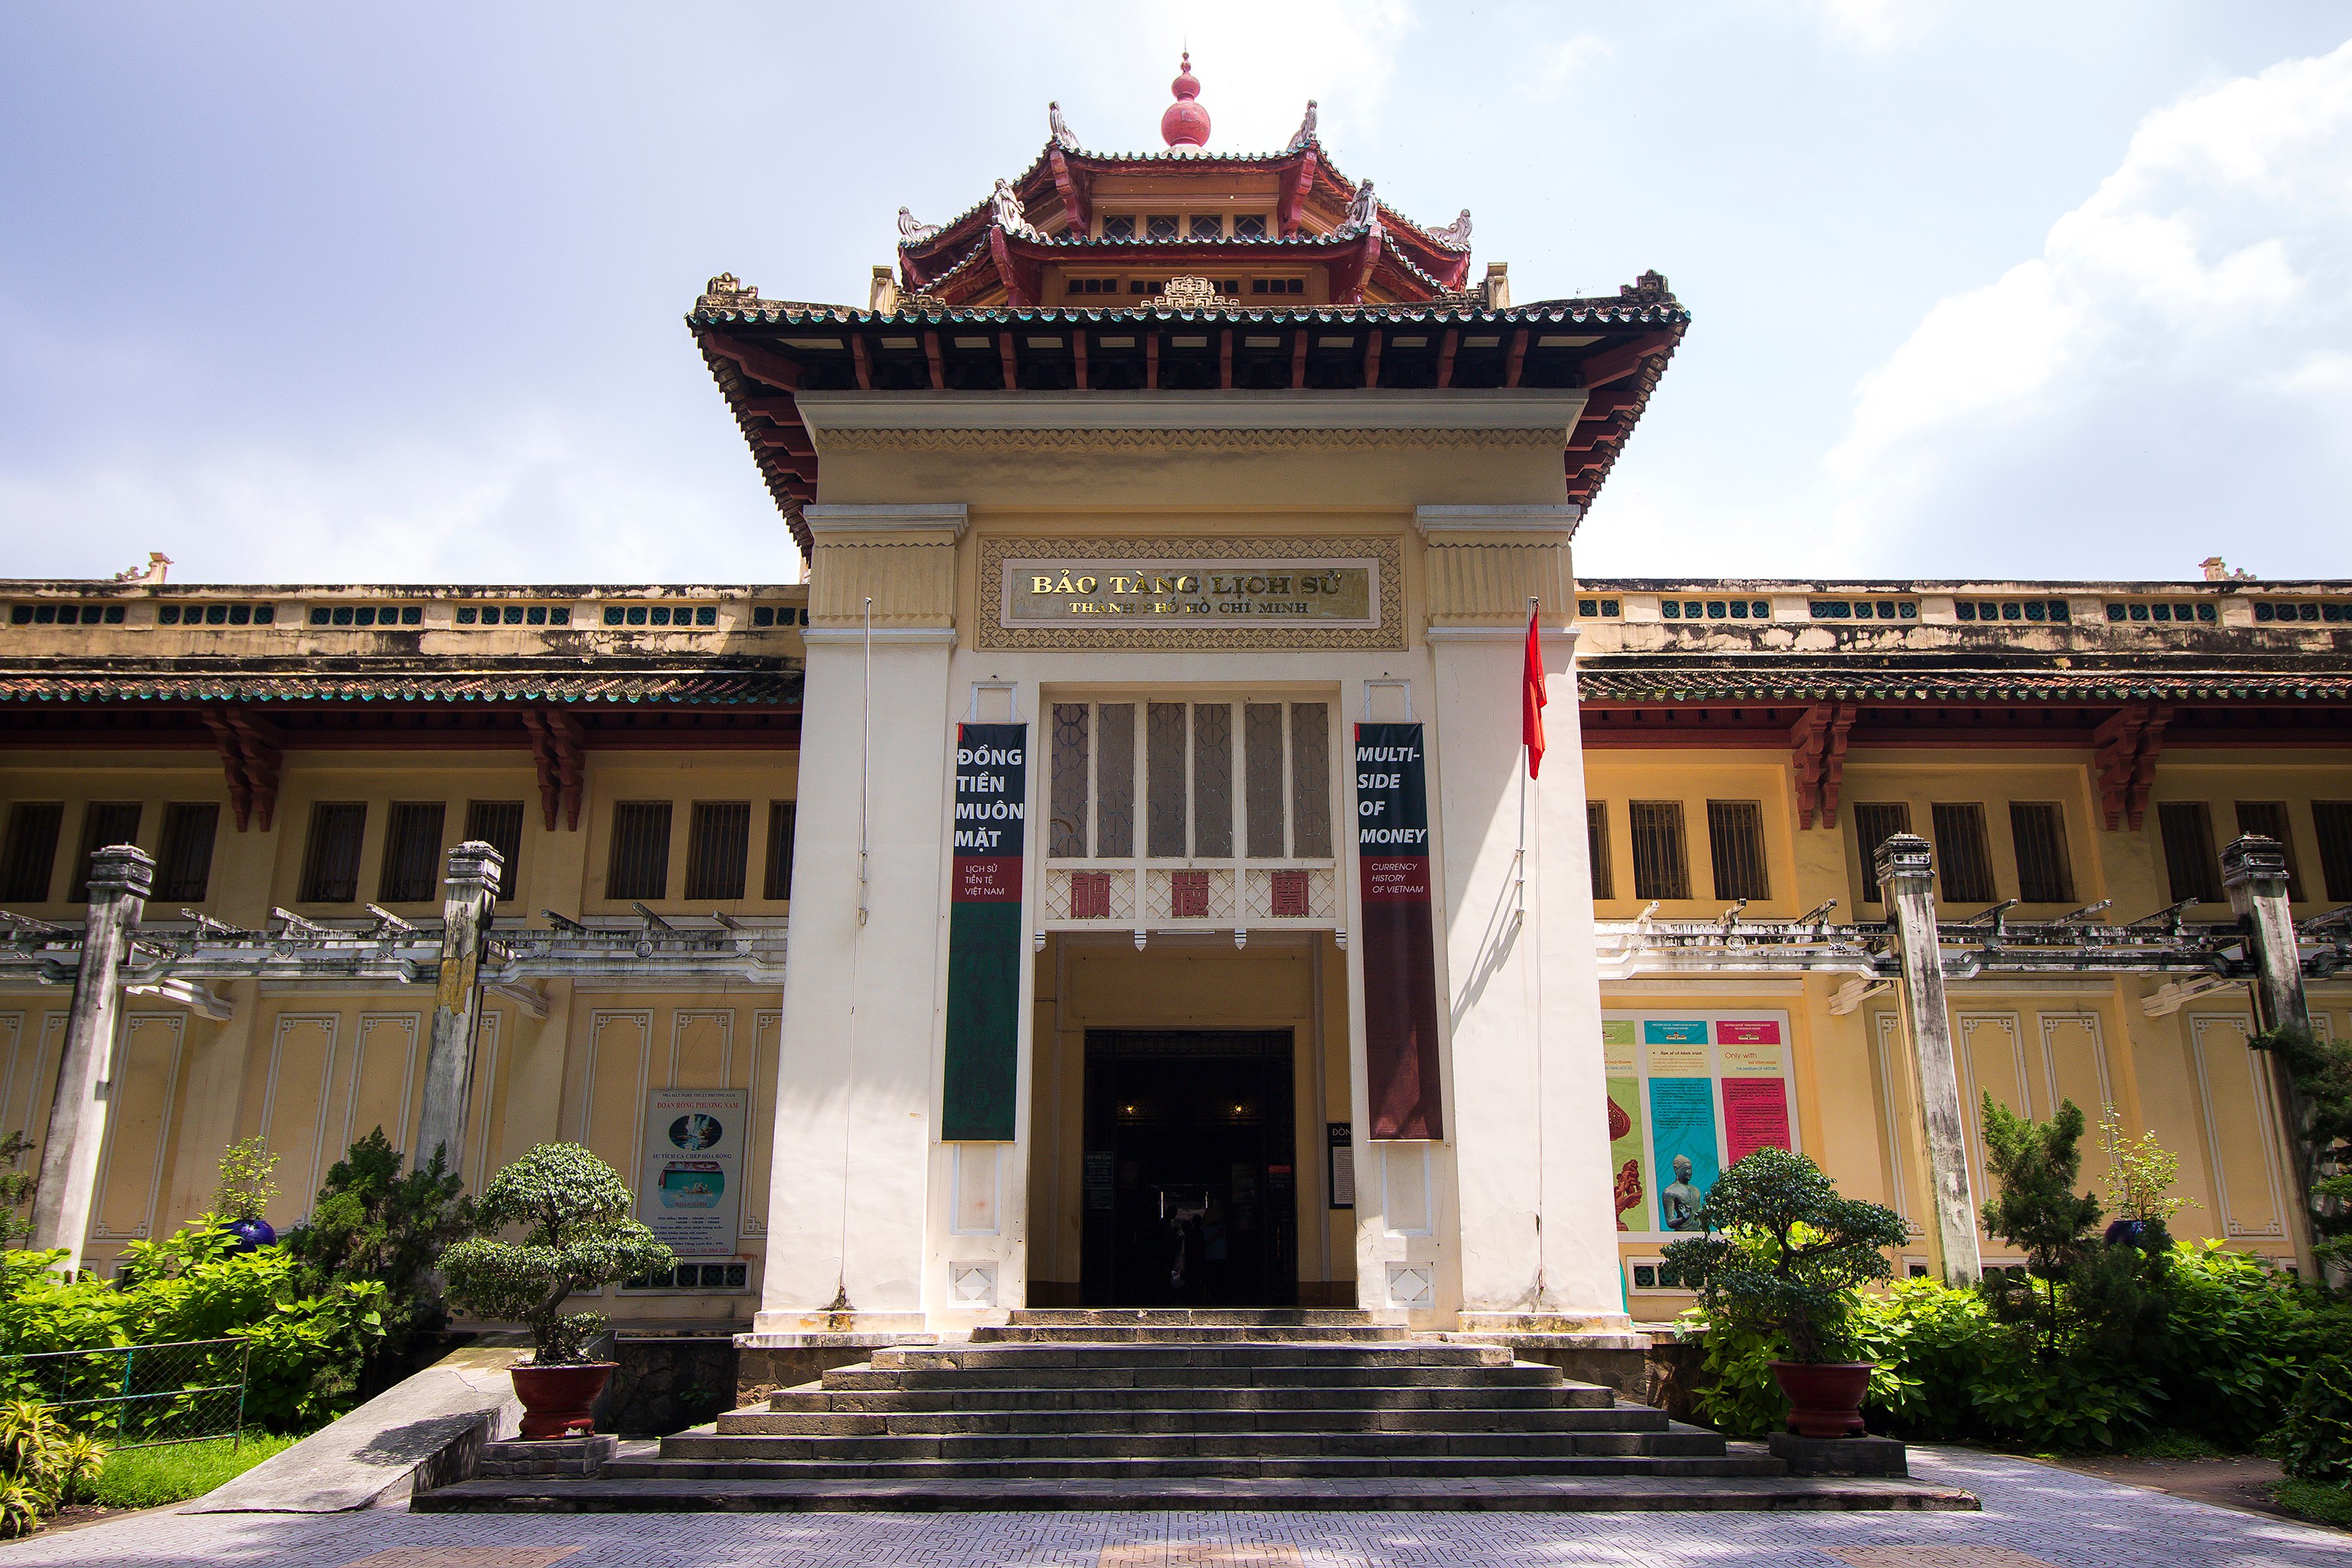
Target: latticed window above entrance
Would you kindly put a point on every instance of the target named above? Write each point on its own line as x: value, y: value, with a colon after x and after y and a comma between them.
x: 1190, y: 780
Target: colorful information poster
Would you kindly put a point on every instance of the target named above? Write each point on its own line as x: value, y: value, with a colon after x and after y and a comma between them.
x: 985, y: 949
x: 690, y: 1186
x: 1631, y: 1179
x: 1400, y: 941
x: 1688, y: 1098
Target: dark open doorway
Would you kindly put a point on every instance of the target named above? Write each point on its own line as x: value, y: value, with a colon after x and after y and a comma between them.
x: 1191, y: 1196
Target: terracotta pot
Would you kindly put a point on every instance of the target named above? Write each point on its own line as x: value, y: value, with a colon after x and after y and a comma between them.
x: 1825, y: 1397
x: 555, y: 1399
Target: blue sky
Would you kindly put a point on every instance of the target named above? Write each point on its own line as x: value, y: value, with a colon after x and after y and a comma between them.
x: 321, y: 293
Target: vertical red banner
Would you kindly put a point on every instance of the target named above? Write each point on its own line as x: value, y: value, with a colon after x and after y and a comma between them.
x: 1399, y: 937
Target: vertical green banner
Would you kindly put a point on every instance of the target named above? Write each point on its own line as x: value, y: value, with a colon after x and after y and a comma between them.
x: 985, y: 947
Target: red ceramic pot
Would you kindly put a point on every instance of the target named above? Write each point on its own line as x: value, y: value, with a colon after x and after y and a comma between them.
x: 555, y: 1399
x: 1825, y: 1397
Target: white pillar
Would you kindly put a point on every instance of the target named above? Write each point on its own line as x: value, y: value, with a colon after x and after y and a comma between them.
x: 121, y: 876
x: 1907, y: 880
x: 471, y: 894
x: 2254, y: 868
x: 847, y: 1206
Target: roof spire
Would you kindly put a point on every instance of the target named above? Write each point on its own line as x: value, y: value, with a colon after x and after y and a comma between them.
x: 1185, y: 124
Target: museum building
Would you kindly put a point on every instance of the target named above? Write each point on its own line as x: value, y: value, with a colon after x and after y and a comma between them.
x: 1116, y: 876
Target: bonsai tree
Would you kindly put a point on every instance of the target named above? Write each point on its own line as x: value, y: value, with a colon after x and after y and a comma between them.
x: 2089, y: 1292
x: 577, y: 1233
x: 1782, y: 1252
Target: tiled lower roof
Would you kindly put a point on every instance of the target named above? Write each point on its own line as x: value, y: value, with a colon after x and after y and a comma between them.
x: 1605, y: 679
x: 774, y: 688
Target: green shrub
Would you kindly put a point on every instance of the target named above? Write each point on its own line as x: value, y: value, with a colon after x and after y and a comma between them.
x: 2316, y: 1500
x: 2316, y: 1438
x: 374, y: 1221
x: 577, y: 1234
x: 43, y: 1466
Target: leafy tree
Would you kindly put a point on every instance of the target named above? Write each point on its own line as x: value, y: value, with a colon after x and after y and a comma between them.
x: 16, y: 1185
x: 246, y: 1184
x: 2038, y: 1210
x: 2322, y: 1072
x: 372, y: 1221
x: 577, y: 1234
x: 1783, y: 1252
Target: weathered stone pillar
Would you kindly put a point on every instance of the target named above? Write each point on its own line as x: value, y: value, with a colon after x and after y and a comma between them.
x: 472, y: 894
x: 1907, y: 880
x: 121, y: 876
x: 2254, y: 870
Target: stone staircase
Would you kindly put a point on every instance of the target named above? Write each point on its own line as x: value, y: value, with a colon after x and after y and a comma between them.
x: 1161, y: 1409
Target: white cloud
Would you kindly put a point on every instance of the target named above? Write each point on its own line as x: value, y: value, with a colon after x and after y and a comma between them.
x: 1878, y: 26
x: 2204, y: 280
x: 1549, y: 67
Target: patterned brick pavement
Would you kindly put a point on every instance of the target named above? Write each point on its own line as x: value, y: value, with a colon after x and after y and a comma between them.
x: 2033, y: 1515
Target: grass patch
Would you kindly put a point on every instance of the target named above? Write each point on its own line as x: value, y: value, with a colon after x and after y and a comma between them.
x: 149, y: 1478
x: 2174, y: 1445
x: 2316, y: 1500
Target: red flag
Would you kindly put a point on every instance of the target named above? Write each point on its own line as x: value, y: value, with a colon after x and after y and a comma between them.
x: 1532, y: 697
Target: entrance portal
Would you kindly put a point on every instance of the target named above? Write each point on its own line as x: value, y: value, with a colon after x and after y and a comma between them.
x: 1190, y: 1199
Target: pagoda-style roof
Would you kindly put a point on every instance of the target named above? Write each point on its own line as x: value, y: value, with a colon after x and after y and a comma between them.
x: 765, y: 352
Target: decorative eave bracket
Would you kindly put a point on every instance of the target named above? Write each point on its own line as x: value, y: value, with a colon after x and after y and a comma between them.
x: 1817, y: 747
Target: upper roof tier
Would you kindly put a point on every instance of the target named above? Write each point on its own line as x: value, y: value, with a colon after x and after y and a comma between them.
x: 1078, y: 223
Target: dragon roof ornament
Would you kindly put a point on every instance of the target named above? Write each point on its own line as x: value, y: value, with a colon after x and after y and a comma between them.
x: 912, y: 232
x: 1064, y: 137
x: 1305, y: 134
x: 1455, y: 236
x: 1011, y: 216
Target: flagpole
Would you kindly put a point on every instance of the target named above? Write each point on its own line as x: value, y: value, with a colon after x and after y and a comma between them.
x: 1519, y: 865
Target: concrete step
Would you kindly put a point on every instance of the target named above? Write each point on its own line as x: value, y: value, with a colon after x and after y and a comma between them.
x: 1295, y: 1467
x: 1252, y: 1447
x: 866, y: 1378
x: 844, y: 1424
x: 1179, y: 1317
x: 1146, y: 1351
x: 1494, y: 1399
x: 1588, y: 1490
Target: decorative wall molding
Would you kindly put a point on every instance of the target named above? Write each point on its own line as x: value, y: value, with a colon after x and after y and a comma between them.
x: 909, y: 522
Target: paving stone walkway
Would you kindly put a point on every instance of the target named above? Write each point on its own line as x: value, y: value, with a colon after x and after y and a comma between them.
x: 2035, y: 1516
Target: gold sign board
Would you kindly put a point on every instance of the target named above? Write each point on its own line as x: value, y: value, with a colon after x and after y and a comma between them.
x: 1144, y: 591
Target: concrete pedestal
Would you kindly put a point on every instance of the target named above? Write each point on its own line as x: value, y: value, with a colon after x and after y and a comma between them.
x: 581, y: 1456
x: 1840, y: 1456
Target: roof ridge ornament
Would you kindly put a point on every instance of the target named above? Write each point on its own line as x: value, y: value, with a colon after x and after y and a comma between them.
x: 913, y: 232
x: 724, y: 293
x: 1064, y: 137
x: 1187, y: 292
x: 1010, y: 215
x: 1304, y: 135
x: 1363, y: 212
x: 1455, y: 236
x: 1184, y: 124
x: 1649, y: 289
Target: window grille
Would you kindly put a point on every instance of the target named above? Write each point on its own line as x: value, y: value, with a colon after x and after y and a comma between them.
x: 668, y: 616
x: 1090, y: 895
x: 31, y: 854
x: 1262, y: 778
x: 1310, y: 781
x: 2172, y: 613
x: 2269, y: 612
x: 498, y: 824
x: 1596, y: 837
x: 1863, y: 609
x: 638, y: 867
x: 2334, y: 820
x: 2268, y: 818
x: 2188, y: 860
x: 209, y: 615
x: 2044, y: 873
x: 1609, y: 609
x: 1735, y: 842
x: 483, y: 616
x: 185, y: 869
x: 1661, y: 860
x: 412, y: 853
x: 717, y: 848
x: 1161, y: 226
x: 1963, y: 852
x: 1163, y: 765
x: 56, y: 614
x: 1212, y: 780
x: 1120, y: 226
x: 1207, y: 226
x: 776, y: 616
x: 1115, y: 781
x: 103, y: 822
x: 1065, y: 827
x: 1875, y: 822
x: 1249, y: 226
x: 353, y: 615
x: 331, y: 860
x: 2020, y: 610
x: 782, y: 818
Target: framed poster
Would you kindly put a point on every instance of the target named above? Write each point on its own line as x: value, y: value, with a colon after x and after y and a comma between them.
x: 690, y: 1178
x: 1690, y: 1095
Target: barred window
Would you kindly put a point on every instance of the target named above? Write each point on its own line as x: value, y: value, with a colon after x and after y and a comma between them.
x: 1066, y: 828
x: 1164, y: 766
x: 103, y: 822
x: 781, y: 819
x: 498, y: 824
x: 1310, y: 781
x: 2268, y: 818
x: 1735, y: 842
x: 183, y: 870
x: 1661, y: 860
x: 638, y: 867
x: 1212, y: 780
x: 1596, y: 833
x: 1875, y: 822
x: 1115, y: 781
x: 2044, y: 873
x: 412, y: 853
x: 330, y: 859
x: 718, y: 848
x: 1262, y: 777
x: 2186, y: 826
x: 30, y: 857
x: 2334, y: 820
x: 1200, y: 798
x: 1964, y: 852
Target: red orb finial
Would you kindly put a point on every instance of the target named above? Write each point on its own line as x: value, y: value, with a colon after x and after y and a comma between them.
x: 1185, y: 124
